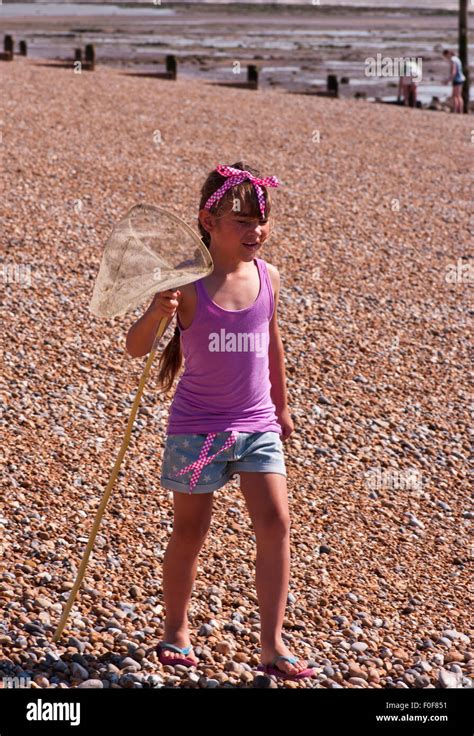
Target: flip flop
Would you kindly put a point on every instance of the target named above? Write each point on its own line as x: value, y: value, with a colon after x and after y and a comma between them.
x: 270, y: 669
x: 186, y: 661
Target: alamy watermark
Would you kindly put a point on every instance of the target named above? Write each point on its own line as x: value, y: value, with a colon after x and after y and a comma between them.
x: 13, y: 683
x: 399, y: 480
x: 44, y: 711
x: 396, y: 66
x: 459, y: 273
x: 16, y: 273
x: 240, y: 342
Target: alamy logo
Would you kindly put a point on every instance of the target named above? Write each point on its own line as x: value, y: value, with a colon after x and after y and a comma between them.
x: 398, y: 66
x: 16, y: 682
x: 242, y: 342
x: 410, y: 479
x: 40, y: 711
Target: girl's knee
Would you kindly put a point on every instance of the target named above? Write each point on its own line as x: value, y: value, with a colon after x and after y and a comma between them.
x: 190, y: 534
x: 274, y: 526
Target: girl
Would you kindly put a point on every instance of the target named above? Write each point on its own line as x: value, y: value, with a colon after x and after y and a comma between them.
x: 457, y: 78
x: 229, y: 408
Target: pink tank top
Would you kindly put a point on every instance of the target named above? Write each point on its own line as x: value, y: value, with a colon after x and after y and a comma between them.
x: 226, y: 381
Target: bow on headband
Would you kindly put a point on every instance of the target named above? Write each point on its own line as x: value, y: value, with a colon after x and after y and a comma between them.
x: 236, y: 176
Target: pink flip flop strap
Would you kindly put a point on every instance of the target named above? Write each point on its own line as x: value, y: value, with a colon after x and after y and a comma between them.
x: 198, y: 465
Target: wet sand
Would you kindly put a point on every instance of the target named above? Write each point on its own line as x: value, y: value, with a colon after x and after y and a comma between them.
x: 294, y: 47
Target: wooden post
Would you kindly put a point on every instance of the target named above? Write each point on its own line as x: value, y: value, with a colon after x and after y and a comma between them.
x: 252, y: 75
x: 90, y: 57
x: 171, y: 65
x: 23, y: 48
x: 332, y: 85
x: 463, y: 51
x: 77, y: 54
x: 8, y: 48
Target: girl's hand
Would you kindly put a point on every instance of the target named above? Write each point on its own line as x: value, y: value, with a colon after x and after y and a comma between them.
x: 286, y: 423
x: 165, y: 303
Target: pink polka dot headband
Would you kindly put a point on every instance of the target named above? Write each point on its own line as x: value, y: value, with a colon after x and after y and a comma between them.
x: 236, y: 176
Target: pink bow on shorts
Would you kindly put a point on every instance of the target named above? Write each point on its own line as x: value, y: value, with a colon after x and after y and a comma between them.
x: 203, y: 460
x: 236, y: 176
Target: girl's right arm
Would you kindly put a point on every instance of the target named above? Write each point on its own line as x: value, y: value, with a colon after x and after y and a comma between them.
x: 142, y: 333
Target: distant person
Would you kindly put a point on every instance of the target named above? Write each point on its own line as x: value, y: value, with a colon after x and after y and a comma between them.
x: 456, y: 78
x: 407, y: 84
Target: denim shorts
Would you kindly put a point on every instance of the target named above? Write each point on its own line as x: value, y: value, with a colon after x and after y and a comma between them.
x: 260, y: 452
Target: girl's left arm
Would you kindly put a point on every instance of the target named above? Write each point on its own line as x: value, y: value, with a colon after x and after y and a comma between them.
x: 276, y: 355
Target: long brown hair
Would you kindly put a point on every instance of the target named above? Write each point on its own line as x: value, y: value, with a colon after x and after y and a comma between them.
x: 244, y: 194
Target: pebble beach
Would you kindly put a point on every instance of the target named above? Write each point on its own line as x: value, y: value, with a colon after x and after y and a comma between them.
x: 372, y: 233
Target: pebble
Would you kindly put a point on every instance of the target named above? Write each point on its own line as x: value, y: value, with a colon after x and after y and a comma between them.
x: 359, y: 646
x: 357, y: 681
x: 42, y: 681
x: 263, y: 682
x: 34, y: 629
x: 78, y: 670
x: 155, y: 680
x: 445, y: 641
x: 453, y: 634
x: 129, y: 662
x: 89, y: 684
x: 223, y: 647
x: 131, y: 680
x: 355, y: 671
x: 79, y: 645
x: 448, y: 679
x: 206, y: 630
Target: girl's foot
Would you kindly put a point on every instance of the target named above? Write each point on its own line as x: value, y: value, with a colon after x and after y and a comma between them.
x: 268, y: 655
x: 180, y: 639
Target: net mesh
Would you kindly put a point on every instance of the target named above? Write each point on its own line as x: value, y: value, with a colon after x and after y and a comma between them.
x: 149, y: 250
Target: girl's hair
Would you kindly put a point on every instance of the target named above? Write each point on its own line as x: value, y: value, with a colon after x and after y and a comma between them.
x: 239, y: 198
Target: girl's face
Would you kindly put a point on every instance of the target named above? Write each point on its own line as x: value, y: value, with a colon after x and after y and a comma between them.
x: 238, y: 234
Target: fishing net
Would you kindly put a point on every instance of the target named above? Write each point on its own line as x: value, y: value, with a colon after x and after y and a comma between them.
x: 150, y: 250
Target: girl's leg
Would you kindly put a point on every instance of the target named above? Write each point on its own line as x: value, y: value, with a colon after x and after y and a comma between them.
x: 458, y: 100
x: 192, y: 518
x: 455, y: 104
x: 406, y: 98
x: 267, y: 501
